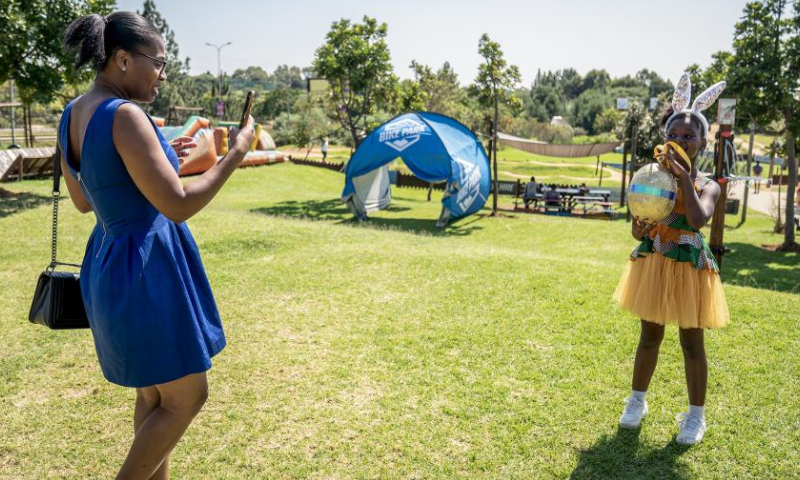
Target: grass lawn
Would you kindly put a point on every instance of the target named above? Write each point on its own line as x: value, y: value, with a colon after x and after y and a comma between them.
x: 513, y: 164
x: 394, y: 350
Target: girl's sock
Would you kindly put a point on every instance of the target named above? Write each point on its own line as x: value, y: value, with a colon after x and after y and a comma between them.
x: 695, y: 410
x: 638, y: 396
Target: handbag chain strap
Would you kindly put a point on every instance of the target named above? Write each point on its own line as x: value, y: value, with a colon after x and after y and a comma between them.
x: 56, y: 197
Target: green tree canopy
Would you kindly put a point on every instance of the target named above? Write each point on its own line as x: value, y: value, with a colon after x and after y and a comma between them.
x: 356, y: 62
x: 441, y: 90
x: 763, y: 73
x: 31, y: 44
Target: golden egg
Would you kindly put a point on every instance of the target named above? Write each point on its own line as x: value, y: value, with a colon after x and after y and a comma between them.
x: 652, y: 193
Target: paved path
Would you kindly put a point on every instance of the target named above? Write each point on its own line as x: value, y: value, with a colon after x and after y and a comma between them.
x: 765, y: 201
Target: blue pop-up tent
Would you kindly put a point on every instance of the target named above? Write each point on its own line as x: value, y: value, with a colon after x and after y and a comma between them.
x: 436, y: 148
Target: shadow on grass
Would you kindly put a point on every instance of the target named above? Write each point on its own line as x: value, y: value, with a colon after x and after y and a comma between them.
x: 622, y: 457
x: 333, y: 210
x: 308, y: 210
x: 751, y: 266
x: 427, y: 226
x: 16, y: 202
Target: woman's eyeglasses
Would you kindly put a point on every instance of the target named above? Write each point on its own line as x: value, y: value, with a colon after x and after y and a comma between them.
x: 161, y: 64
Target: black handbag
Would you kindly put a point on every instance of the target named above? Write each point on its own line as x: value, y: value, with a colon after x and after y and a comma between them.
x: 57, y: 302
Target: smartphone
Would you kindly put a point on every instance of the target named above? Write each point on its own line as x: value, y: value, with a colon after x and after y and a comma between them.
x: 248, y: 105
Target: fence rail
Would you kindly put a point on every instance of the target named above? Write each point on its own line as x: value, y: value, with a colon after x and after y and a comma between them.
x: 336, y: 167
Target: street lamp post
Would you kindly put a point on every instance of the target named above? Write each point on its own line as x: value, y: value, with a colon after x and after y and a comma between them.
x: 219, y: 67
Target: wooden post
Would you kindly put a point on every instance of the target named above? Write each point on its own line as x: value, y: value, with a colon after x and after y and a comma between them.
x: 780, y: 182
x: 21, y: 167
x: 25, y: 124
x: 602, y: 167
x: 771, y: 168
x: 747, y: 182
x: 779, y: 223
x: 791, y: 171
x: 634, y: 146
x: 30, y: 127
x: 718, y: 219
x: 624, y: 171
x: 494, y: 149
x: 13, y: 114
x: 597, y: 165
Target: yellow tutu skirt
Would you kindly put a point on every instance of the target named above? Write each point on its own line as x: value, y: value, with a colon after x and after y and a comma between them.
x: 663, y: 291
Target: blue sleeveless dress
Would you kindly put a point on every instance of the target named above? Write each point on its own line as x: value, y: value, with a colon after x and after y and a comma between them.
x: 149, y: 303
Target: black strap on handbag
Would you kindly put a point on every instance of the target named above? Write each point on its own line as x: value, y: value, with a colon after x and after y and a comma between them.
x: 56, y: 196
x: 57, y: 301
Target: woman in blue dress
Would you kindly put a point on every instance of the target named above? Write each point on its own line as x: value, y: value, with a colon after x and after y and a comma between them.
x: 152, y: 313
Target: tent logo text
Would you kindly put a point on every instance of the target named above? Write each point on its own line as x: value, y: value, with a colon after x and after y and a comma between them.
x: 469, y: 189
x: 401, y: 134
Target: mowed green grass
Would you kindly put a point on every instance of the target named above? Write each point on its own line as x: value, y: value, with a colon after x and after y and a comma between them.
x: 394, y: 350
x: 515, y: 164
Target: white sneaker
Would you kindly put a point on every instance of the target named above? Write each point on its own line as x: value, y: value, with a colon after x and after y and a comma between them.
x: 693, y: 428
x: 633, y: 414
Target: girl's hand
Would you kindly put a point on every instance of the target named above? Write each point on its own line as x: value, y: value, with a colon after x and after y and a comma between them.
x: 182, y: 147
x: 639, y: 228
x: 241, y: 140
x: 675, y: 166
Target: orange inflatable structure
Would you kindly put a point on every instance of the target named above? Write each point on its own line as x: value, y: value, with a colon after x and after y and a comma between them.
x: 212, y: 145
x: 201, y: 158
x: 262, y: 157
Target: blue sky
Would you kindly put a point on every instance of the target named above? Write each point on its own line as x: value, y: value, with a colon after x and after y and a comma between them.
x: 621, y: 36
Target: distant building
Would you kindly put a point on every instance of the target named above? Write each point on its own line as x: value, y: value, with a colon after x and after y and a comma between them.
x: 558, y: 121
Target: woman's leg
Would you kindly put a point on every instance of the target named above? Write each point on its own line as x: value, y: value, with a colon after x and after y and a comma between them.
x: 647, y: 355
x: 147, y: 400
x: 694, y: 360
x: 180, y: 401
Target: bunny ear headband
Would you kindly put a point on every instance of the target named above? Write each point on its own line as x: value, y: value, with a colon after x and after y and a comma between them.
x: 682, y: 95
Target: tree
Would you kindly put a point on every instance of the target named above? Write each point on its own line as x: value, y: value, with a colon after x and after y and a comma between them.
x: 764, y: 74
x: 588, y: 106
x: 250, y: 78
x: 442, y: 92
x: 547, y: 96
x: 655, y: 84
x: 495, y: 83
x: 607, y: 120
x: 304, y: 129
x: 355, y: 60
x: 31, y: 48
x: 277, y: 101
x: 571, y: 83
x: 289, y: 77
x: 649, y: 132
x: 597, y: 79
x: 410, y: 97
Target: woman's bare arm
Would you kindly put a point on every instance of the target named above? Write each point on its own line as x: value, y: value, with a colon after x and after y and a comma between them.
x: 150, y: 170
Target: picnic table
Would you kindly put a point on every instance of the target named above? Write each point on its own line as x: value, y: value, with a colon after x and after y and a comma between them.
x: 592, y: 203
x: 563, y: 204
x: 606, y: 194
x: 596, y: 201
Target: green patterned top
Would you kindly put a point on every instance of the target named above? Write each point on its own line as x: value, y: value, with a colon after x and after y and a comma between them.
x: 675, y: 239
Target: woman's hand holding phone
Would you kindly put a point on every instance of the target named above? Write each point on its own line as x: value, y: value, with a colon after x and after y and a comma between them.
x: 241, y: 139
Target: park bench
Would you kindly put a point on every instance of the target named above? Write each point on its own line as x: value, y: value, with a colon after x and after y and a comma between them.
x: 25, y: 162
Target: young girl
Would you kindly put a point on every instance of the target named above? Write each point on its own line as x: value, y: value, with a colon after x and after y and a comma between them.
x: 672, y: 277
